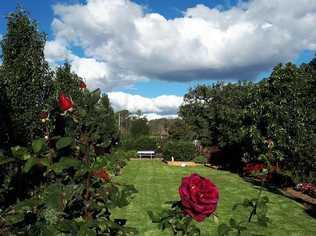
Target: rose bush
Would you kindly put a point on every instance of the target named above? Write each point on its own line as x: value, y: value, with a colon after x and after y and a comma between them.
x: 199, y: 196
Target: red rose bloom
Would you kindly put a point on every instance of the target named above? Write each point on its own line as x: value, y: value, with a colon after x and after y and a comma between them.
x: 65, y: 102
x: 82, y: 85
x: 102, y: 174
x: 199, y: 196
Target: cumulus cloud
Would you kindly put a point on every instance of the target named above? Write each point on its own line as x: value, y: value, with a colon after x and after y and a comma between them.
x: 126, y: 44
x: 153, y: 108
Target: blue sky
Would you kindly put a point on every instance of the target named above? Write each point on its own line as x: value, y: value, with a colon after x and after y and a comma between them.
x: 205, y: 57
x: 42, y: 12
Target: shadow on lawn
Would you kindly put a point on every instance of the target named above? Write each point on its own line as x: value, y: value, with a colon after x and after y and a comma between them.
x: 309, y: 208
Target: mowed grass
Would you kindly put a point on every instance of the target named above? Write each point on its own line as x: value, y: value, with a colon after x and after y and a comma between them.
x: 157, y: 183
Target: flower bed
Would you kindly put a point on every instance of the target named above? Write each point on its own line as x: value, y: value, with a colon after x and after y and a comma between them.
x: 307, y: 188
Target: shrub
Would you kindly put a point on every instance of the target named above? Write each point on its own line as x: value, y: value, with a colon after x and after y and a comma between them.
x: 240, y: 118
x: 59, y: 185
x: 200, y: 159
x: 179, y: 150
x: 140, y: 143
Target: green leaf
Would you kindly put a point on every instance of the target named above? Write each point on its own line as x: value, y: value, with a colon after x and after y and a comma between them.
x: 65, y: 163
x: 20, y: 152
x: 38, y: 145
x: 29, y: 164
x: 44, y: 162
x: 5, y: 160
x: 64, y: 142
x: 13, y: 219
x: 223, y: 229
x: 233, y: 223
x: 153, y: 218
x: 86, y: 231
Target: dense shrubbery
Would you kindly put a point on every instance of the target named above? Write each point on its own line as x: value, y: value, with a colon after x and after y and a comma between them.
x: 241, y: 118
x: 55, y: 170
x: 60, y: 184
x: 179, y: 150
x: 200, y: 159
x: 139, y: 143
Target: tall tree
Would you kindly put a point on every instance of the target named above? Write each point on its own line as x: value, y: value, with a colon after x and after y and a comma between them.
x: 26, y: 78
x: 138, y: 127
x: 68, y: 82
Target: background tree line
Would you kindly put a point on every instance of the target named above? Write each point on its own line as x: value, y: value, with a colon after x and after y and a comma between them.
x: 241, y: 118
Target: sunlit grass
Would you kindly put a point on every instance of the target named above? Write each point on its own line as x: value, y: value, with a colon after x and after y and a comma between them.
x: 158, y: 183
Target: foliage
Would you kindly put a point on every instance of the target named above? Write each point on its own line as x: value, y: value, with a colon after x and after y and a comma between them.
x: 55, y: 171
x: 25, y: 80
x: 179, y: 130
x: 256, y: 207
x: 200, y: 159
x: 138, y: 127
x: 158, y: 127
x: 199, y: 198
x: 139, y: 143
x: 179, y: 150
x: 72, y: 195
x: 115, y: 161
x: 241, y: 117
x: 175, y: 221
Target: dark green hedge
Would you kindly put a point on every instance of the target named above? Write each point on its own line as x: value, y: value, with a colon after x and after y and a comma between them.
x: 180, y: 150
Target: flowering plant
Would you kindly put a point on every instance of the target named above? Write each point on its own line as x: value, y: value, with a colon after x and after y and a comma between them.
x: 199, y: 198
x: 307, y: 188
x: 61, y: 184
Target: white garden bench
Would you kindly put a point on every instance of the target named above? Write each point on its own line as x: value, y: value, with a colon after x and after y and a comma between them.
x: 150, y: 154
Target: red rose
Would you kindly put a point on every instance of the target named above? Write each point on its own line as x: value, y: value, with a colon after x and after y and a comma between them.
x: 65, y: 102
x: 102, y: 174
x: 199, y: 196
x: 82, y: 85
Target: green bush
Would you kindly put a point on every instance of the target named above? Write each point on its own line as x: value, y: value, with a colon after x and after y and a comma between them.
x: 179, y: 150
x: 242, y: 117
x: 140, y: 143
x: 200, y: 159
x: 57, y: 183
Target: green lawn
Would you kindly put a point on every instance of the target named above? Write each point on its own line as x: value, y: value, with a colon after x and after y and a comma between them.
x: 158, y: 183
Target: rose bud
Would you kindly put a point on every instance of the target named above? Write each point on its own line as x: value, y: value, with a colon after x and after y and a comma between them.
x: 65, y: 102
x: 82, y: 85
x: 44, y: 116
x: 199, y: 197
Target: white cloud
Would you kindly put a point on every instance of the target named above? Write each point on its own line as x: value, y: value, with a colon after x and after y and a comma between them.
x: 155, y: 116
x: 153, y: 108
x: 124, y: 43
